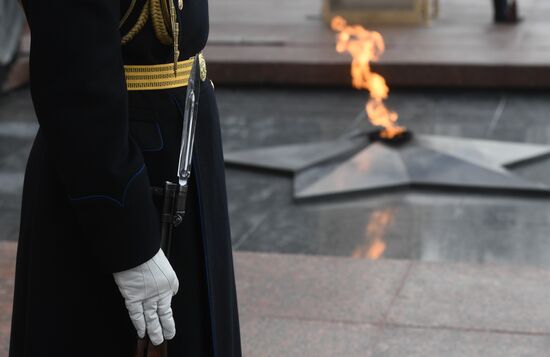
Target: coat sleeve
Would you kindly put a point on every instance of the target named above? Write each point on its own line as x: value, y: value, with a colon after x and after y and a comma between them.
x: 79, y: 93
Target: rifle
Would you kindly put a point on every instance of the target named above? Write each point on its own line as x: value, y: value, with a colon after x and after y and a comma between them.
x: 174, y: 195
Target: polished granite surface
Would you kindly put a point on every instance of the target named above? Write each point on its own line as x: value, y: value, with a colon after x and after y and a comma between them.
x: 430, y: 226
x: 358, y: 165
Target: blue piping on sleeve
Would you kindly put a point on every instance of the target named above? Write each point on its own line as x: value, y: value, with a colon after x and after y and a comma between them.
x: 121, y: 202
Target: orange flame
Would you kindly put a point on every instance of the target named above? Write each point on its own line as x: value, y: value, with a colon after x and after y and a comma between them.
x: 365, y: 47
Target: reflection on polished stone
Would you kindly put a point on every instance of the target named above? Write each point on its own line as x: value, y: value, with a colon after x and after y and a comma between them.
x: 375, y: 233
x: 419, y: 226
x: 429, y: 225
x: 425, y: 162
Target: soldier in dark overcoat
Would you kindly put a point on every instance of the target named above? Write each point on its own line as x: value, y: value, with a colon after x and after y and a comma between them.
x: 108, y: 83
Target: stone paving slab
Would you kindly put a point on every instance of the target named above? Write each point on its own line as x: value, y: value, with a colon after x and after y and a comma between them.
x: 7, y: 268
x: 492, y: 298
x: 300, y: 338
x: 318, y: 288
x: 486, y: 310
x: 414, y: 342
x: 294, y: 305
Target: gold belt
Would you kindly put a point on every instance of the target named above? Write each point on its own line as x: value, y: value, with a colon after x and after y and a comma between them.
x: 161, y: 76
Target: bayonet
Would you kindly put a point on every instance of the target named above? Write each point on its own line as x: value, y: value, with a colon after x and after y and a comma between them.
x: 189, y: 122
x: 175, y: 194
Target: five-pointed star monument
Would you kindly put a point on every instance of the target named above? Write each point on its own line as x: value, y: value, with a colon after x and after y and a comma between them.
x: 353, y: 164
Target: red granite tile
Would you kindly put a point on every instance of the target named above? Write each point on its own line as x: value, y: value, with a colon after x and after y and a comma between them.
x: 490, y: 297
x: 7, y: 271
x: 290, y: 337
x: 316, y: 288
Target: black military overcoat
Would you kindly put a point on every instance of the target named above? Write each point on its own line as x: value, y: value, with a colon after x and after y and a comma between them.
x: 87, y: 208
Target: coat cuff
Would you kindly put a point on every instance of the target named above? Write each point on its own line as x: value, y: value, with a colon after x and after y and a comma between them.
x: 121, y: 232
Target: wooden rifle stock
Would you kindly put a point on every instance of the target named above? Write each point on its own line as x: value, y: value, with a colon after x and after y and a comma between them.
x: 173, y: 208
x: 145, y: 348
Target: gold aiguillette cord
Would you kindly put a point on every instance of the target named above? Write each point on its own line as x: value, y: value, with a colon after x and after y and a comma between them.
x: 175, y: 32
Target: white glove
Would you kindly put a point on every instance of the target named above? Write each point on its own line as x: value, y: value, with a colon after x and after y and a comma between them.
x: 148, y: 290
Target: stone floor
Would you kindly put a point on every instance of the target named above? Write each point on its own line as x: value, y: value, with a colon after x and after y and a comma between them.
x: 464, y: 275
x: 262, y: 41
x: 323, y: 306
x: 433, y: 226
x: 305, y: 306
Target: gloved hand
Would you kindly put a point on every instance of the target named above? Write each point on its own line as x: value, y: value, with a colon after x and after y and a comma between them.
x: 148, y: 290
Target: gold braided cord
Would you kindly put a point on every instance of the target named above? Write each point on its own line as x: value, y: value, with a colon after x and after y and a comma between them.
x: 166, y: 13
x: 164, y: 21
x: 138, y: 26
x: 159, y: 22
x: 127, y: 14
